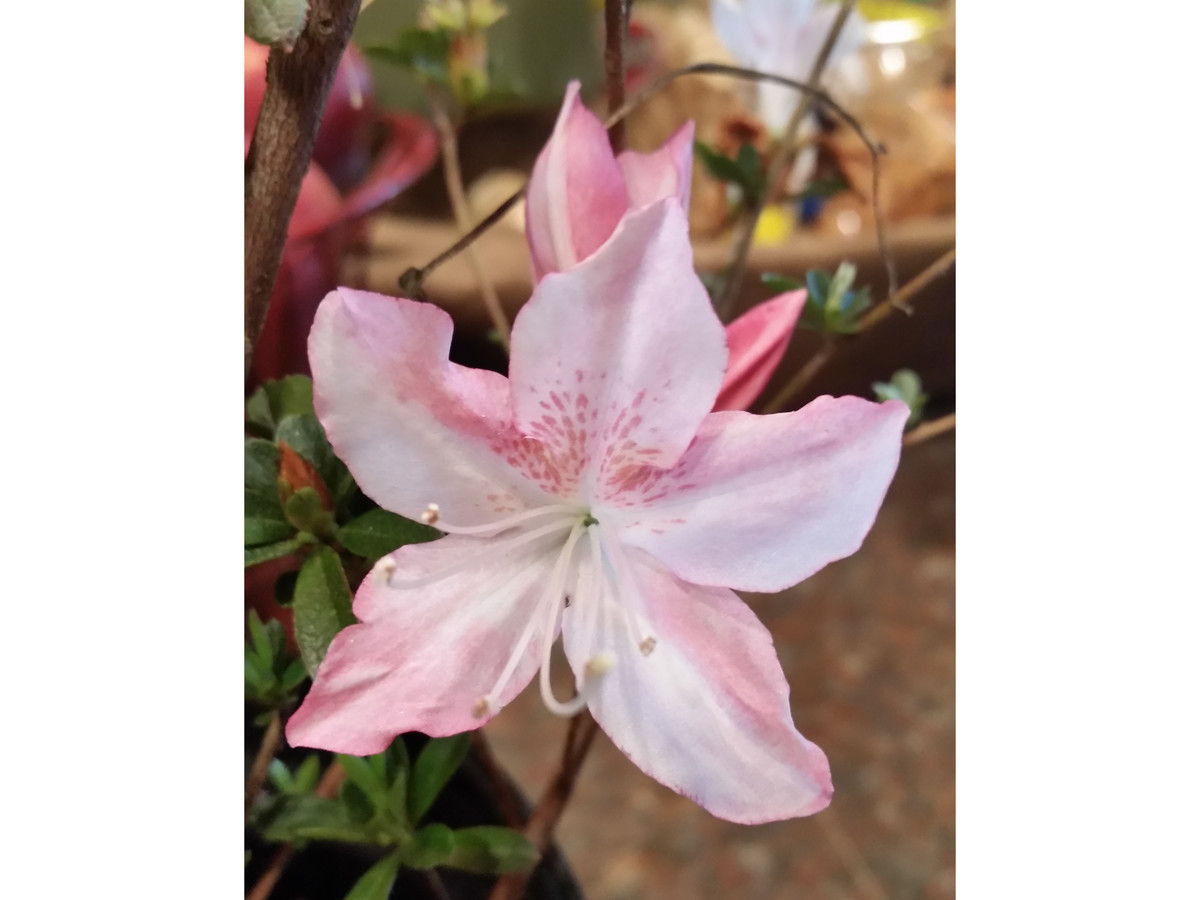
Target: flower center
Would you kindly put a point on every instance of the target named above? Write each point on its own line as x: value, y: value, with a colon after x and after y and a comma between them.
x: 606, y: 595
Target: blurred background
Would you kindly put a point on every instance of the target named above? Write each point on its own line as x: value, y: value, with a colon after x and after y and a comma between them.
x: 868, y: 643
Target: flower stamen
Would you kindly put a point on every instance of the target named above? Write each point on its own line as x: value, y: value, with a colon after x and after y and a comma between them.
x: 433, y: 516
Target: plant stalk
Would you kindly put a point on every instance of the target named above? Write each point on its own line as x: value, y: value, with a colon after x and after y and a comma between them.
x: 298, y: 83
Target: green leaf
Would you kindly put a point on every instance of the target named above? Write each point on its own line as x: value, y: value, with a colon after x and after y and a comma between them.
x: 425, y: 51
x: 258, y: 411
x: 275, y: 22
x: 780, y: 284
x: 824, y: 187
x: 281, y: 777
x: 321, y: 605
x: 262, y: 466
x: 719, y: 166
x: 264, y: 523
x: 368, y: 779
x: 264, y: 552
x: 307, y: 817
x: 378, y: 532
x: 304, y: 434
x: 906, y: 387
x: 377, y: 883
x: 431, y: 846
x: 439, y: 759
x: 492, y: 850
x: 290, y: 396
x: 307, y: 774
x: 304, y: 510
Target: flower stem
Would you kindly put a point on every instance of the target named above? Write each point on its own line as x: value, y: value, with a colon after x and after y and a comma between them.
x: 448, y: 137
x: 616, y: 14
x: 881, y: 311
x: 927, y: 430
x: 540, y: 829
x: 779, y: 158
x: 329, y: 784
x: 267, y: 749
x: 297, y: 84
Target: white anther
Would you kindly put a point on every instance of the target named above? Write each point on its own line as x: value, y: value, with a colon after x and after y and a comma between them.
x: 481, y: 708
x: 430, y: 516
x: 647, y: 646
x: 600, y: 664
x: 386, y: 567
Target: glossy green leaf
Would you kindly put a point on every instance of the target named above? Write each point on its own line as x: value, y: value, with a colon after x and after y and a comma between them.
x: 264, y: 522
x: 377, y: 883
x: 321, y: 605
x: 492, y: 850
x: 264, y: 552
x: 437, y: 762
x: 431, y: 846
x: 425, y: 51
x: 378, y: 532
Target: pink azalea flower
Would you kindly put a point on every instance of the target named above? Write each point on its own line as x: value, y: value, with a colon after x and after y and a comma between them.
x: 593, y: 495
x: 580, y: 190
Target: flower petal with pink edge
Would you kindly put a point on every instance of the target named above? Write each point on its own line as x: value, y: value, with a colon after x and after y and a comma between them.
x: 759, y: 503
x: 616, y: 362
x: 425, y: 655
x: 576, y: 194
x: 413, y: 427
x: 666, y: 172
x: 706, y: 711
x: 757, y: 341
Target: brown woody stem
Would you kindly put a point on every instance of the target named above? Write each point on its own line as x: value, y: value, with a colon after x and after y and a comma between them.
x: 928, y: 430
x: 267, y: 749
x: 615, y: 23
x: 297, y: 84
x: 540, y: 829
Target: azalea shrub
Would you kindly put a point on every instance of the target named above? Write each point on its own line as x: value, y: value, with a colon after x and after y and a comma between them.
x: 420, y: 535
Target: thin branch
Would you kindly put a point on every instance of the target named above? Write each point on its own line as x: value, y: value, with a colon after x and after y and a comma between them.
x: 437, y: 887
x: 540, y: 830
x: 927, y: 430
x: 881, y: 311
x: 899, y: 300
x: 327, y: 787
x: 779, y: 158
x: 412, y: 279
x: 297, y: 84
x: 448, y: 136
x: 267, y: 749
x: 615, y: 21
x: 800, y: 380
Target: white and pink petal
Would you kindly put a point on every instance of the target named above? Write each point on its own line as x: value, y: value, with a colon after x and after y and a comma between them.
x: 425, y: 655
x: 706, y: 711
x: 413, y: 427
x: 616, y: 362
x: 760, y: 503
